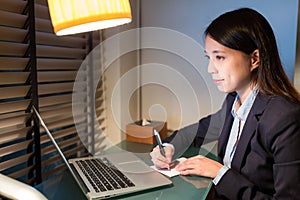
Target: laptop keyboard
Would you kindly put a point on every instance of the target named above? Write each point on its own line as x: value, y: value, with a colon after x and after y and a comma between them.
x: 103, y: 175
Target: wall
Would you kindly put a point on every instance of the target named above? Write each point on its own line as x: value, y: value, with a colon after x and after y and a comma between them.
x: 175, y: 86
x: 116, y: 62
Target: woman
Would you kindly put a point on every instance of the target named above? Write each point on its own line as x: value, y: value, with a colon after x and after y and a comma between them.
x: 258, y: 146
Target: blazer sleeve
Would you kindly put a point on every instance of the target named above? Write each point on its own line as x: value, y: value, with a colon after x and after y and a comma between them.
x: 279, y: 136
x: 207, y: 129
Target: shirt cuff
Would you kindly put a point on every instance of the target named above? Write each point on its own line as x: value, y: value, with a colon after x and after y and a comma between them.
x: 220, y: 174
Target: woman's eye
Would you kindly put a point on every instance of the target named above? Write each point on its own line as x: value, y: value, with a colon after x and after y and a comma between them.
x: 219, y: 57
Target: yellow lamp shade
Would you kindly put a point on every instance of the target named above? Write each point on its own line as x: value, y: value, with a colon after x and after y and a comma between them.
x: 77, y: 16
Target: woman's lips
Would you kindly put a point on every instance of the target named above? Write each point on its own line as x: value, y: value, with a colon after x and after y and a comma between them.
x: 218, y: 81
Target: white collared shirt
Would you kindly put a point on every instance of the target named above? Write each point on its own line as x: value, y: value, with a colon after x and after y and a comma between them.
x: 240, y: 117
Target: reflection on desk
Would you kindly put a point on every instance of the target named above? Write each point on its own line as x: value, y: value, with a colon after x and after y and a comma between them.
x: 63, y: 186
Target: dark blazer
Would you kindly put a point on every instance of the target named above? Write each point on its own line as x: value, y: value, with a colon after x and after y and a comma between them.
x: 266, y: 164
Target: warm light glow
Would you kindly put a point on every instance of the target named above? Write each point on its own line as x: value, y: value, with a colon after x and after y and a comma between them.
x: 77, y: 16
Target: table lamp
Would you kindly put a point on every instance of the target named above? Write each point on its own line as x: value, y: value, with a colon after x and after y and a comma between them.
x: 78, y: 16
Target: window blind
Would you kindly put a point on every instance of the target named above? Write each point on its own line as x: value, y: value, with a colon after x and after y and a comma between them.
x: 39, y: 68
x: 58, y: 59
x: 17, y: 155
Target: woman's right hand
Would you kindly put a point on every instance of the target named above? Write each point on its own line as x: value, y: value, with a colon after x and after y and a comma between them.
x: 159, y: 160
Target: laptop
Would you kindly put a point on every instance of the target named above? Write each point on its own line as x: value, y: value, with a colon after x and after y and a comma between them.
x: 114, y: 174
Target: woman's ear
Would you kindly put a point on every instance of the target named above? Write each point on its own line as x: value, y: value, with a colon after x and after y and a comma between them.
x: 255, y: 59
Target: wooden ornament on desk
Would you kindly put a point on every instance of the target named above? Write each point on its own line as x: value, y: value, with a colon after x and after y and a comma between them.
x: 142, y: 131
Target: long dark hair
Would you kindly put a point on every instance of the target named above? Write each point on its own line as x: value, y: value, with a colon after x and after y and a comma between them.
x: 247, y: 30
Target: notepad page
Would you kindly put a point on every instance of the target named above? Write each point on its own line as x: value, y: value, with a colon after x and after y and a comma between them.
x: 170, y: 172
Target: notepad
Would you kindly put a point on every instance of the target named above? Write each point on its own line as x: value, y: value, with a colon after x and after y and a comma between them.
x: 172, y: 172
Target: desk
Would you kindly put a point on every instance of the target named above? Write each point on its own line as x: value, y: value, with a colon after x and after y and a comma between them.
x: 63, y: 186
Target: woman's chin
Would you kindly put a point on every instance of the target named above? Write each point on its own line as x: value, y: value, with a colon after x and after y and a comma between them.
x: 225, y: 90
x: 221, y: 89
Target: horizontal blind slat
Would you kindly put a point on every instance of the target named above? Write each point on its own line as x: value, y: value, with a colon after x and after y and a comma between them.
x: 58, y: 64
x: 14, y: 121
x: 43, y: 25
x: 14, y: 135
x: 66, y: 154
x: 8, y: 63
x: 13, y: 77
x: 14, y: 162
x: 13, y: 92
x: 15, y: 147
x: 62, y: 144
x: 56, y: 76
x: 64, y: 41
x: 56, y: 114
x: 12, y: 49
x: 69, y: 121
x: 55, y: 100
x: 15, y: 6
x: 59, y: 52
x: 41, y: 2
x: 56, y: 169
x: 21, y: 172
x: 15, y: 20
x: 12, y: 34
x: 55, y: 88
x: 60, y: 124
x: 59, y: 134
x: 13, y: 106
x: 41, y: 11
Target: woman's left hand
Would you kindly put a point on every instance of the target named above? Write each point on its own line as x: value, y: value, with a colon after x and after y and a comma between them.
x: 199, y: 165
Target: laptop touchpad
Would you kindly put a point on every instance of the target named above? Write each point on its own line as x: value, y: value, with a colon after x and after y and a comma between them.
x: 134, y: 167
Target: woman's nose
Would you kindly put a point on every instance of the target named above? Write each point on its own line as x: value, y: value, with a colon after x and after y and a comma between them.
x: 211, y: 67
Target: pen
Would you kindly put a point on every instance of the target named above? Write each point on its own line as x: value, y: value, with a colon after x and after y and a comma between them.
x: 158, y: 140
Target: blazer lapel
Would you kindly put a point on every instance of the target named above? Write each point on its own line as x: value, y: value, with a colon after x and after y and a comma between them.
x: 249, y: 129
